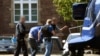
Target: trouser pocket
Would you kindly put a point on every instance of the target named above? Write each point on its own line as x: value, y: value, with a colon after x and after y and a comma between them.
x: 33, y: 43
x: 47, y: 39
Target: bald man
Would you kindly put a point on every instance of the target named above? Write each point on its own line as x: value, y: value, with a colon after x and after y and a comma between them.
x: 20, y: 33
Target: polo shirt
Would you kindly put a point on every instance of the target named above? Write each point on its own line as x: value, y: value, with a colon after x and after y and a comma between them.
x: 34, y: 31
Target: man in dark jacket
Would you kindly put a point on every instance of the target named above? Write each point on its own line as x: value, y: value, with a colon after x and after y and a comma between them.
x: 58, y: 30
x: 20, y: 33
x: 47, y: 32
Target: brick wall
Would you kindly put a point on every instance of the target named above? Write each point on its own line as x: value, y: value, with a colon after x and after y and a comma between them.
x: 6, y: 17
x: 46, y: 10
x: 0, y: 13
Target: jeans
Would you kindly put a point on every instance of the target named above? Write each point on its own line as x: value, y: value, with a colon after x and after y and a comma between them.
x: 48, y: 47
x: 34, y: 47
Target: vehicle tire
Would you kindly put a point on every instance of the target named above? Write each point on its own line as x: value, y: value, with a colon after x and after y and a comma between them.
x: 65, y: 54
x: 10, y: 52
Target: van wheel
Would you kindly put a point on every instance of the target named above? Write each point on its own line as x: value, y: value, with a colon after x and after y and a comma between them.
x: 65, y: 54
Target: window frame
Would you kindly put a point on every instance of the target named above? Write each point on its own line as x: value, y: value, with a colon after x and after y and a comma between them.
x: 29, y: 2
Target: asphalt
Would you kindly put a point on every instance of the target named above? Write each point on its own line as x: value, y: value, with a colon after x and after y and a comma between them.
x: 51, y: 55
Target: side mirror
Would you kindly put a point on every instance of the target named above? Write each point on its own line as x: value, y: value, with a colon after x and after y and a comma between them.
x: 79, y: 10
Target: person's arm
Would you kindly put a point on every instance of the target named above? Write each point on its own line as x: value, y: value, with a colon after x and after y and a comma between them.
x: 53, y: 32
x: 39, y: 35
x: 20, y: 28
x: 61, y: 29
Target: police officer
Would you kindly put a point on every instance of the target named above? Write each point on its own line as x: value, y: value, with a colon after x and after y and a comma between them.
x: 20, y: 33
x: 47, y: 32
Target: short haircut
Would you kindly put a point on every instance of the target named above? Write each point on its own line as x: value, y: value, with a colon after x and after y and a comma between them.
x: 48, y: 21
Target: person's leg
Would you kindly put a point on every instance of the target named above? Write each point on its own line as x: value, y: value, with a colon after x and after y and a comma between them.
x: 34, y: 46
x: 48, y: 48
x: 72, y: 52
x: 58, y: 43
x: 18, y: 48
x: 80, y: 52
x: 24, y: 48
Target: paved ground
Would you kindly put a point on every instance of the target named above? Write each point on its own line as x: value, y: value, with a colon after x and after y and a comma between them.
x: 51, y: 55
x: 92, y: 55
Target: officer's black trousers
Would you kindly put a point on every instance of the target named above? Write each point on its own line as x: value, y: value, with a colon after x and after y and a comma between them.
x: 21, y: 45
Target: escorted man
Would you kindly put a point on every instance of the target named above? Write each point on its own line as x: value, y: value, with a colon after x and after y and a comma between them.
x: 54, y: 25
x: 33, y: 39
x: 57, y: 30
x: 20, y: 34
x: 47, y: 32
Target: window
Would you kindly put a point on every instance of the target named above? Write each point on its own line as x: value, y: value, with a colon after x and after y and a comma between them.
x: 27, y: 8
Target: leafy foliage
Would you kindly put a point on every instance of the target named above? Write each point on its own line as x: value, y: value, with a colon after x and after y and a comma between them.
x: 64, y: 7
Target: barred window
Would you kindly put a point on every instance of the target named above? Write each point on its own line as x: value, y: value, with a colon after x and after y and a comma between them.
x: 27, y: 8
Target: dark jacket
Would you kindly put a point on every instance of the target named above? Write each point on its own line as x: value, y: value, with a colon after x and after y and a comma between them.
x: 54, y: 27
x: 20, y: 31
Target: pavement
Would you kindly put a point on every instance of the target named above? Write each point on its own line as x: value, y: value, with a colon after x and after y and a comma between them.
x: 51, y: 55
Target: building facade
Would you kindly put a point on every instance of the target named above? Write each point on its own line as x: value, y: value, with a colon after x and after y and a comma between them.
x: 35, y: 11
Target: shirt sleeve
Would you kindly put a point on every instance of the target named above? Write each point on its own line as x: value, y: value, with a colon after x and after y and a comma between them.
x: 57, y: 28
x: 50, y: 28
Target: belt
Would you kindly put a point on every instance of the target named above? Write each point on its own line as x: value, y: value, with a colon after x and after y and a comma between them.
x: 47, y: 39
